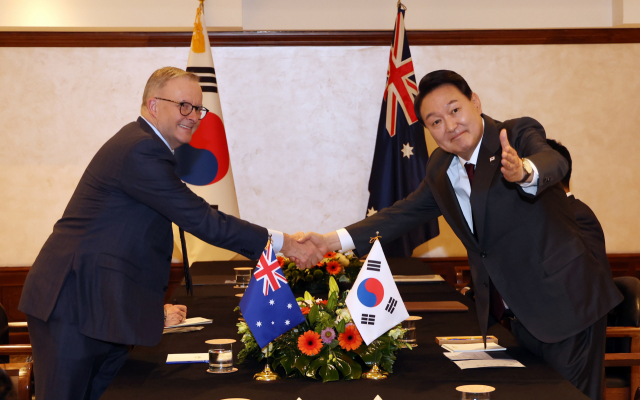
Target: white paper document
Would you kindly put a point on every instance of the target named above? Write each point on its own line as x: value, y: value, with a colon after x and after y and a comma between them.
x: 192, y: 321
x: 474, y: 355
x: 472, y: 347
x: 493, y: 363
x: 187, y: 358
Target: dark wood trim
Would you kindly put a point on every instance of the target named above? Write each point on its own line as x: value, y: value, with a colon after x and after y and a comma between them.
x: 321, y: 38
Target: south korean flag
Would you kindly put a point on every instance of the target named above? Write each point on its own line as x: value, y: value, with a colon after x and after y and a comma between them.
x: 374, y: 302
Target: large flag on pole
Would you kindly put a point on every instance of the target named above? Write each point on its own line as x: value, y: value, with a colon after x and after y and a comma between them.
x: 400, y: 157
x: 374, y: 302
x: 204, y: 163
x: 268, y: 305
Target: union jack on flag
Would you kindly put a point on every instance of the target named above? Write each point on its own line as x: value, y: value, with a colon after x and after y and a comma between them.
x: 268, y: 271
x: 400, y: 155
x: 401, y: 87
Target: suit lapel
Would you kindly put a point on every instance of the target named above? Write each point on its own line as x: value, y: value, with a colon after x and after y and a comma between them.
x: 487, y: 165
x: 450, y: 207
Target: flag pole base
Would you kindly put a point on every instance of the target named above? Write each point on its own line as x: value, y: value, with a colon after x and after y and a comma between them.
x: 266, y: 375
x: 375, y: 373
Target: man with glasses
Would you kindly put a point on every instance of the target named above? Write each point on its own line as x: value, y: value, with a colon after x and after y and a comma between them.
x: 99, y: 282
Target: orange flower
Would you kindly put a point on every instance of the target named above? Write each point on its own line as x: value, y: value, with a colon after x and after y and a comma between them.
x: 320, y: 264
x: 330, y: 254
x: 350, y: 339
x: 323, y: 302
x: 305, y: 310
x: 333, y: 267
x: 310, y: 343
x: 280, y: 260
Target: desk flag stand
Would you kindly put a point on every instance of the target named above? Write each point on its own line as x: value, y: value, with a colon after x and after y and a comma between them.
x: 266, y: 375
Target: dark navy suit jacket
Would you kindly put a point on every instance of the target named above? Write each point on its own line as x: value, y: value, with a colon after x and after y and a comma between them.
x: 116, y: 237
x: 530, y: 246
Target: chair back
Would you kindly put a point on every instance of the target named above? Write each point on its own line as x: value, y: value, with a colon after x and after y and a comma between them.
x: 626, y: 313
x: 4, y: 326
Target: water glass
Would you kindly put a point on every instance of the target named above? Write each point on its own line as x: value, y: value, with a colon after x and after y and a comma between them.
x: 410, y: 325
x: 475, y: 392
x: 243, y: 276
x: 221, y: 356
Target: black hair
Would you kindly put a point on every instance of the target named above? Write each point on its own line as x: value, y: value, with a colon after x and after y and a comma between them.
x: 557, y: 146
x: 434, y: 80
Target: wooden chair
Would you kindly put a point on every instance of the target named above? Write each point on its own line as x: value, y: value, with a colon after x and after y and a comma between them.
x: 21, y: 375
x: 622, y: 360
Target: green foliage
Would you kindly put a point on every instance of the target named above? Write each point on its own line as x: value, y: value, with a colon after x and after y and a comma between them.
x: 318, y: 275
x: 333, y: 362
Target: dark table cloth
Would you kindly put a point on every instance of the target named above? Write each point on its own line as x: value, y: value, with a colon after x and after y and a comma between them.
x: 421, y: 373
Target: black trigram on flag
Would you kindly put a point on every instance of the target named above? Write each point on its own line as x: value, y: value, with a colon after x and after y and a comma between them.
x: 391, y: 305
x: 373, y: 265
x: 368, y: 319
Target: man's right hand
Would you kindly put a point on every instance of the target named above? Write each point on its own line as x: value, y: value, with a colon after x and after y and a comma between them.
x: 325, y: 243
x: 304, y: 253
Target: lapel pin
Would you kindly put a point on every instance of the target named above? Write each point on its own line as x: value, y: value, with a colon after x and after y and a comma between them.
x: 492, y: 158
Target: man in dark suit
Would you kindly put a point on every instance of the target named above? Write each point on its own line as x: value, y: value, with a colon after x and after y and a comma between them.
x: 496, y: 184
x: 98, y: 284
x: 585, y: 217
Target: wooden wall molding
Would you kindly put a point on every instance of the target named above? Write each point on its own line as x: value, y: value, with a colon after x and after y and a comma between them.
x: 321, y: 38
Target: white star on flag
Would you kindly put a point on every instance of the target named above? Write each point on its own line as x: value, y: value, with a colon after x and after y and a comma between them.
x: 371, y: 211
x: 259, y: 324
x: 374, y: 302
x: 271, y: 302
x: 272, y: 322
x: 407, y: 151
x: 287, y: 322
x: 289, y: 306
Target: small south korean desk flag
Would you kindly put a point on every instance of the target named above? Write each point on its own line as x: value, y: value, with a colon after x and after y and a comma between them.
x: 374, y: 302
x: 268, y: 305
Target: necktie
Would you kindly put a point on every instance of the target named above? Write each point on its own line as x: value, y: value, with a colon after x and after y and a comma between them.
x: 470, y: 171
x: 496, y: 305
x: 185, y: 261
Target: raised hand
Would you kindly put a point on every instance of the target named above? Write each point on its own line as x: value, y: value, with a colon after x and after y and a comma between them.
x: 511, y: 163
x: 304, y: 254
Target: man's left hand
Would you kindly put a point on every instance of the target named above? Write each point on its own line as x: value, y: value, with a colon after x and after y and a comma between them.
x: 176, y: 314
x: 511, y: 162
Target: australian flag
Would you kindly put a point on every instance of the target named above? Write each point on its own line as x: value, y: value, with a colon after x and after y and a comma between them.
x: 268, y: 305
x: 400, y: 157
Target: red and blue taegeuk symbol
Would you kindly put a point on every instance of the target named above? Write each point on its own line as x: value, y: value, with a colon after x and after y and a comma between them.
x: 370, y: 292
x: 205, y: 160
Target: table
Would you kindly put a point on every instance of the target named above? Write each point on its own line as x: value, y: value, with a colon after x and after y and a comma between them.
x: 422, y: 373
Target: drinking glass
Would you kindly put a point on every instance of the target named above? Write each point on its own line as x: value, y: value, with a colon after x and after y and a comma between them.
x: 221, y: 356
x: 243, y: 276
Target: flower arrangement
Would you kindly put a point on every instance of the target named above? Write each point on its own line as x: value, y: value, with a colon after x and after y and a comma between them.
x: 344, y: 267
x: 327, y: 345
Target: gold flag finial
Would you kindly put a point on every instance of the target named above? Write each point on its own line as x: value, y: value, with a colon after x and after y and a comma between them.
x: 400, y: 5
x: 376, y: 237
x: 197, y: 41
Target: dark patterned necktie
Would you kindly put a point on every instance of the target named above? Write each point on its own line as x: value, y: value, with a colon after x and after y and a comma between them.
x: 496, y: 305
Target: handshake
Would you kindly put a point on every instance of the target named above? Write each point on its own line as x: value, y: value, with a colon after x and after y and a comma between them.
x: 307, y: 249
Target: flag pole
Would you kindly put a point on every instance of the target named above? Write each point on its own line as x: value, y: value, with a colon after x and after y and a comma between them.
x: 266, y: 375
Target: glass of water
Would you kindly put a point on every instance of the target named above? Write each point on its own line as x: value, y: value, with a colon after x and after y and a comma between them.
x: 221, y: 356
x: 475, y: 392
x: 243, y: 276
x: 410, y: 325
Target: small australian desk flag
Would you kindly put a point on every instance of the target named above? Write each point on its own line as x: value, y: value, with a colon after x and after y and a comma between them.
x: 268, y: 305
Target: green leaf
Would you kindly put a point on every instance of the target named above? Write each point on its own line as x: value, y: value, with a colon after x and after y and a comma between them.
x: 341, y: 326
x: 329, y: 373
x: 302, y: 364
x: 313, y: 314
x: 332, y: 303
x: 356, y: 368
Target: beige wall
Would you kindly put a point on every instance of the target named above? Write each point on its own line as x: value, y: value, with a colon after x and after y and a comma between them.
x: 315, y: 110
x: 309, y: 14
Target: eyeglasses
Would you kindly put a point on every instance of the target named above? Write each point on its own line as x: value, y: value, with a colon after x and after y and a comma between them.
x: 186, y: 108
